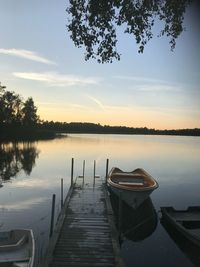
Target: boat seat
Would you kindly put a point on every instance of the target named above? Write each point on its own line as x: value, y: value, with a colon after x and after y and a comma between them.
x: 129, y: 183
x: 13, y: 246
x: 20, y: 264
x: 126, y: 174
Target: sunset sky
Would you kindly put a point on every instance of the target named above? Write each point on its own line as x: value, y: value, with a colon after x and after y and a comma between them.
x: 156, y: 89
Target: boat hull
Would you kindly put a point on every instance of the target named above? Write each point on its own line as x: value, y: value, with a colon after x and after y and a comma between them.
x: 179, y: 219
x: 132, y: 198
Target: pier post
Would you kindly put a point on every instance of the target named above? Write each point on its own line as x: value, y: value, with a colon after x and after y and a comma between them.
x: 94, y: 168
x: 83, y: 170
x: 52, y: 214
x: 94, y: 174
x: 120, y: 214
x: 72, y: 171
x: 107, y: 164
x: 61, y: 199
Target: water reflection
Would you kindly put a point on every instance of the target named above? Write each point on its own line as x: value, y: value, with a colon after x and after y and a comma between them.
x: 15, y: 157
x: 135, y: 224
x: 173, y: 161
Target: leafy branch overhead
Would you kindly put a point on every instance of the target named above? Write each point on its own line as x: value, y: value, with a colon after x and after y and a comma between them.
x: 93, y: 23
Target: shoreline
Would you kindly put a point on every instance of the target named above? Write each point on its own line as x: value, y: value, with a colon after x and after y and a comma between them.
x: 38, y: 135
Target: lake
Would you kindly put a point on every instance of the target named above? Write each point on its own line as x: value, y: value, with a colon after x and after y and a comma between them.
x: 32, y: 172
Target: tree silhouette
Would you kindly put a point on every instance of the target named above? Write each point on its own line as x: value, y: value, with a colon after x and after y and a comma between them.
x: 29, y: 111
x: 10, y: 107
x: 93, y: 23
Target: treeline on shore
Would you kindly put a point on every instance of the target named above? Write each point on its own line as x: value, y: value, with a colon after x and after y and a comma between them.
x: 19, y: 121
x: 84, y: 127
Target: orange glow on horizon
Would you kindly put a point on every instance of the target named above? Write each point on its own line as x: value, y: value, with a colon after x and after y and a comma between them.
x: 130, y: 117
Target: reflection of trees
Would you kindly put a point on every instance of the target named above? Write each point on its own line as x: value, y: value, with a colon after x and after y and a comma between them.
x: 15, y: 157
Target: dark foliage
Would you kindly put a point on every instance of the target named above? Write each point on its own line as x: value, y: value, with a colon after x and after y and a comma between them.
x: 14, y: 111
x: 19, y: 119
x: 93, y: 23
x: 79, y: 127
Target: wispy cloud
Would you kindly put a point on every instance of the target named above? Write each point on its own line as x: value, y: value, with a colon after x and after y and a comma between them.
x: 77, y: 106
x: 108, y: 107
x: 139, y: 79
x: 31, y: 55
x: 151, y: 85
x: 56, y: 79
x: 158, y: 88
x: 96, y: 101
x: 55, y: 105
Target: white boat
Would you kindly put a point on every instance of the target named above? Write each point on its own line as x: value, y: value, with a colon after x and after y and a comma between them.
x: 17, y: 248
x: 133, y: 187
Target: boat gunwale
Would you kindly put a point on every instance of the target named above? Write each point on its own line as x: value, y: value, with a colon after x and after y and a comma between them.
x: 134, y: 188
x: 30, y: 239
x: 177, y: 224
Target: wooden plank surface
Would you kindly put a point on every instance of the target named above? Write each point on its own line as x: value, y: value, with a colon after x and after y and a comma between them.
x: 86, y: 236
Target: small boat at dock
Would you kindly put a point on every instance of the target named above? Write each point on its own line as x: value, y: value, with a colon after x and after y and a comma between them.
x: 17, y: 248
x: 133, y: 187
x: 185, y: 222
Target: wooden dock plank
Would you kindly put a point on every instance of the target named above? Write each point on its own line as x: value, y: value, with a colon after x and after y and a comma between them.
x: 86, y: 236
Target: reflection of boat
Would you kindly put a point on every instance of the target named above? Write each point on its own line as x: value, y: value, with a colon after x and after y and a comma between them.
x: 135, y: 224
x: 186, y: 222
x: 17, y: 248
x: 134, y: 187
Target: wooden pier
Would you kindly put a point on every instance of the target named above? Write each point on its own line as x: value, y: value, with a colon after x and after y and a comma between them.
x: 87, y: 234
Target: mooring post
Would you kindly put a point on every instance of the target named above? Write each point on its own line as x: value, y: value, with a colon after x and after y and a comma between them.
x: 52, y: 214
x: 61, y: 199
x: 83, y: 170
x: 107, y: 164
x: 120, y: 213
x: 72, y: 171
x: 94, y: 173
x: 94, y: 168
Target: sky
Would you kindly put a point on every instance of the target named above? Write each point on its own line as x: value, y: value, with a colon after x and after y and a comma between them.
x: 157, y: 89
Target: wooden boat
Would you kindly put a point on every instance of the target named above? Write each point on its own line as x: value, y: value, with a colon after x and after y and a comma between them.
x: 17, y: 248
x: 186, y: 222
x: 133, y: 187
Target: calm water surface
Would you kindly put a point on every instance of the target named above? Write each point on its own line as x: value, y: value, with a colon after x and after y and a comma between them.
x: 31, y: 173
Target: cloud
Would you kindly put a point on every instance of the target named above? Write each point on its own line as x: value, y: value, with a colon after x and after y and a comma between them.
x: 56, y: 105
x: 31, y: 55
x: 56, y: 79
x: 158, y: 88
x: 78, y: 106
x: 139, y: 79
x: 152, y: 85
x: 108, y: 108
x: 97, y: 102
